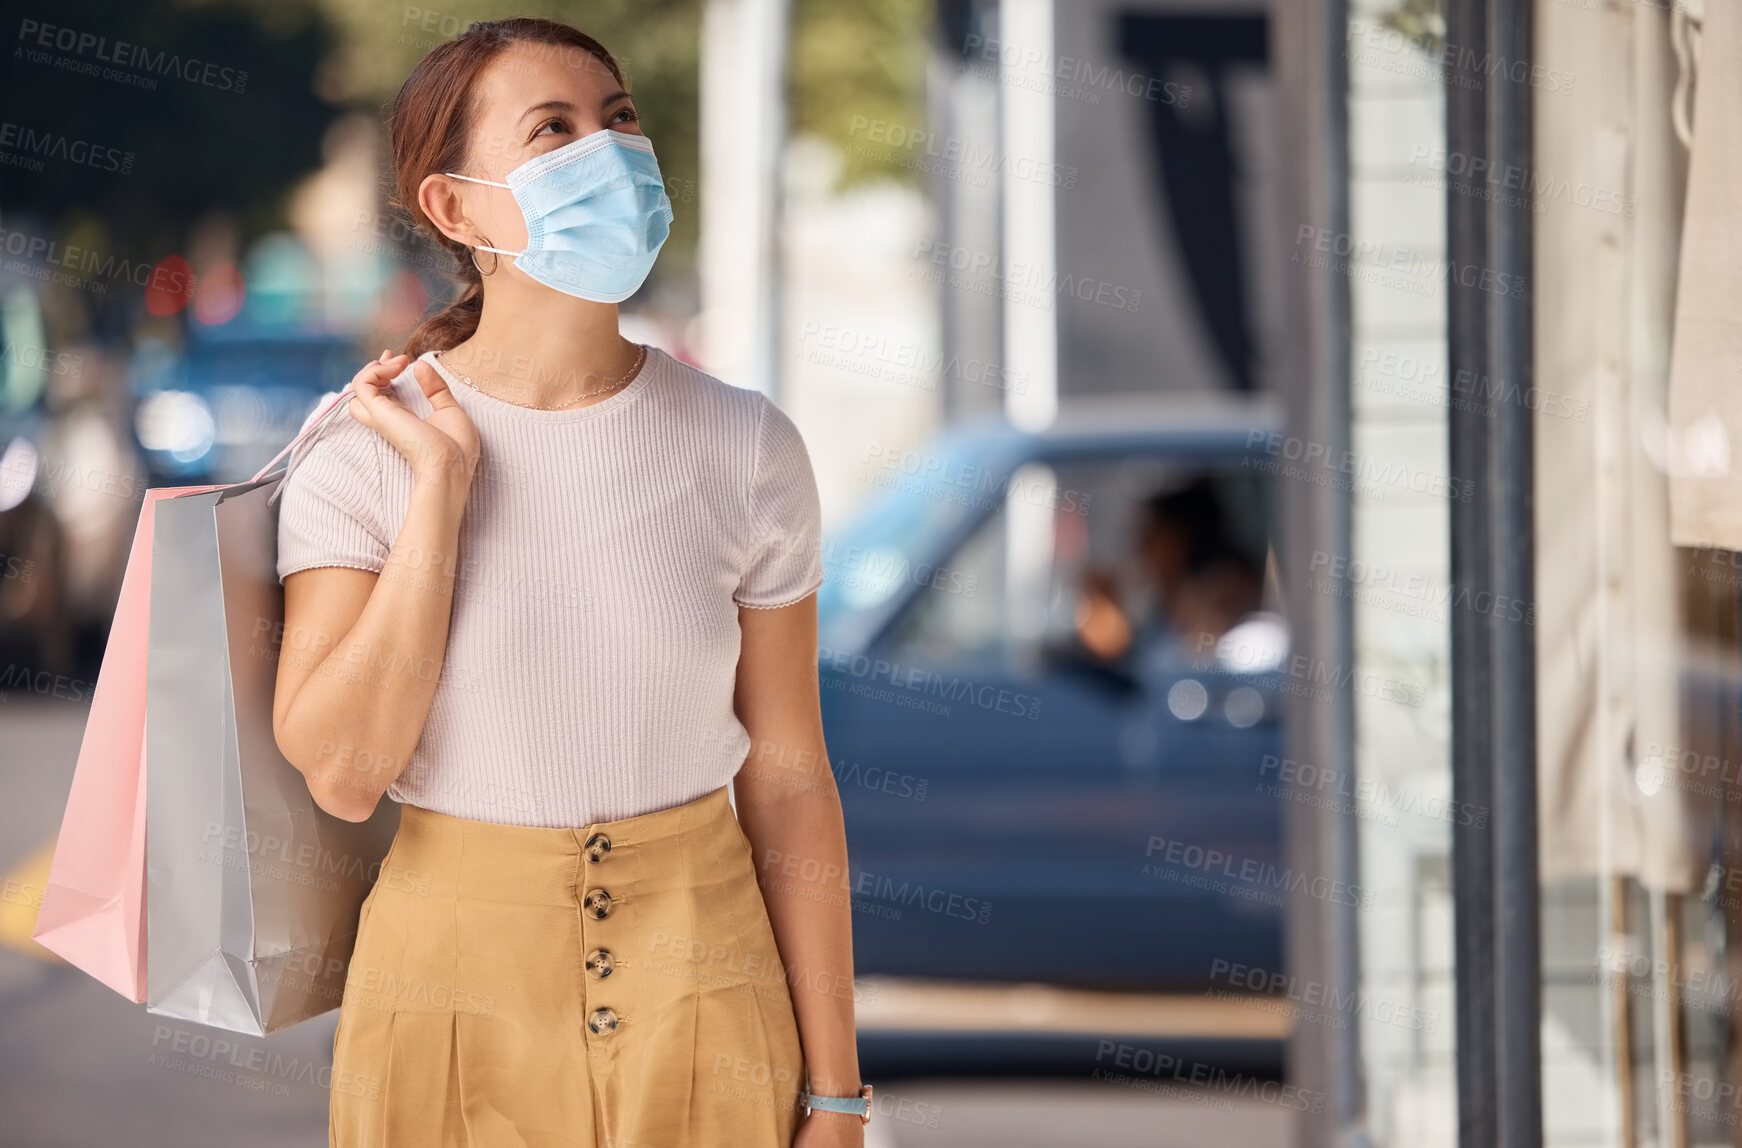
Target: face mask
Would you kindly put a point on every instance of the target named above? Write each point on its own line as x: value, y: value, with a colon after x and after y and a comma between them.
x: 596, y: 215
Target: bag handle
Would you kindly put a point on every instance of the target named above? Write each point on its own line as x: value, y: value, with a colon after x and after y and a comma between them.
x: 306, y: 431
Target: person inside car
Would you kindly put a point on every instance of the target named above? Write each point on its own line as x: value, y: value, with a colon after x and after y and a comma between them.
x: 1198, y: 583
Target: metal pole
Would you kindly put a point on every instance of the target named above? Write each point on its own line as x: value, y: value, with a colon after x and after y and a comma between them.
x: 1490, y: 336
x: 1472, y: 744
x: 1309, y: 45
x: 1512, y: 562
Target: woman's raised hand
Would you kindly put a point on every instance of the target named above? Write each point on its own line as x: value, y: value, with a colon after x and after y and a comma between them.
x: 440, y: 447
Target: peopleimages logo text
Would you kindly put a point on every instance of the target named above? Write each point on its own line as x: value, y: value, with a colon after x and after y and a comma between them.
x: 1258, y: 873
x: 159, y: 276
x: 1397, y: 474
x: 923, y: 683
x: 136, y: 57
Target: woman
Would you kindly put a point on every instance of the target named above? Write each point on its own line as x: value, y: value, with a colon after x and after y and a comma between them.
x: 552, y: 591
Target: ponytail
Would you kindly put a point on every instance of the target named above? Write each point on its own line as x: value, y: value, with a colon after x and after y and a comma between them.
x: 456, y: 322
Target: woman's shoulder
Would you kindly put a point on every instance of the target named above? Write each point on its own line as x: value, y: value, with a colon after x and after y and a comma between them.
x: 406, y: 389
x: 339, y: 442
x: 689, y: 387
x: 740, y: 425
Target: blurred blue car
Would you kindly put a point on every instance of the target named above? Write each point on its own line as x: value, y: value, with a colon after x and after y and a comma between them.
x: 217, y: 409
x: 1018, y: 809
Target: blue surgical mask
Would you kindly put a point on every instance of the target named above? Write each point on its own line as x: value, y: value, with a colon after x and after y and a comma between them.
x: 596, y: 215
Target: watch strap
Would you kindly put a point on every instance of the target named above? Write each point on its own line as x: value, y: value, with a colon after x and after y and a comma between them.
x: 859, y: 1105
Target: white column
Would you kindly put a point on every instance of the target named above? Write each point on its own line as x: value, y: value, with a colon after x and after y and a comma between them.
x: 1025, y: 35
x: 743, y: 130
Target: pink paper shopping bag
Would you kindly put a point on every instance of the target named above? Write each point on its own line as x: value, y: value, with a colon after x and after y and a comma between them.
x: 93, y: 909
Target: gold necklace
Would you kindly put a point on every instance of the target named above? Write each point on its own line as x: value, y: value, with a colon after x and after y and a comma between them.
x: 640, y: 358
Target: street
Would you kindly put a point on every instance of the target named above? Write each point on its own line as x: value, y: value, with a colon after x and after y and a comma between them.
x: 79, y: 1066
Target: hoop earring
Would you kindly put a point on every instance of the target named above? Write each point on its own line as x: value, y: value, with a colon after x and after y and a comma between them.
x: 495, y: 262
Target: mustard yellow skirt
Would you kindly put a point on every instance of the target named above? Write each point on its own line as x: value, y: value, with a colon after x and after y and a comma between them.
x: 616, y: 986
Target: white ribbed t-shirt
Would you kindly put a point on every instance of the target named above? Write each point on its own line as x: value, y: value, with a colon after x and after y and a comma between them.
x: 603, y: 554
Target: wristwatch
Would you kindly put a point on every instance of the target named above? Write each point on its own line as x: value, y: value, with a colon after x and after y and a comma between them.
x: 859, y: 1105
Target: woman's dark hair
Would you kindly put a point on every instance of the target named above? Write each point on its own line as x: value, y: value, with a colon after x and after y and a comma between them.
x: 430, y: 132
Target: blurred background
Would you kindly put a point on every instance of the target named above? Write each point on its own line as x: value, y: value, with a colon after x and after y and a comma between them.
x: 1001, y: 265
x: 1118, y: 332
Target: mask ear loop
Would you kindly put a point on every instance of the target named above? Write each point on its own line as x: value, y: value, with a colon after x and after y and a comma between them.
x: 479, y: 246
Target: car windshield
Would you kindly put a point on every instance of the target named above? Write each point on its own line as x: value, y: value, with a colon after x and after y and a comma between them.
x: 927, y: 498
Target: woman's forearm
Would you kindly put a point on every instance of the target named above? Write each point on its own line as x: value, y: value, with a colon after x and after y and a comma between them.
x: 360, y: 711
x: 799, y: 838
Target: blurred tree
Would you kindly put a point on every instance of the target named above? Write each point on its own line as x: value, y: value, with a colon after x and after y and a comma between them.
x: 180, y: 107
x: 858, y: 62
x: 146, y: 115
x: 864, y: 58
x: 1420, y: 21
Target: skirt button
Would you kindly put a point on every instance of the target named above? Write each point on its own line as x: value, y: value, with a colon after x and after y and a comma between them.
x: 598, y: 903
x: 599, y: 963
x: 597, y: 846
x: 603, y: 1022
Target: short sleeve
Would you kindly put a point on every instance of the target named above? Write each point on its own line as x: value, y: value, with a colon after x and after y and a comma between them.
x: 330, y: 508
x: 786, y: 563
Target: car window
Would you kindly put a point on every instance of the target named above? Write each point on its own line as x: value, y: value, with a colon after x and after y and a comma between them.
x: 1103, y: 560
x: 964, y: 625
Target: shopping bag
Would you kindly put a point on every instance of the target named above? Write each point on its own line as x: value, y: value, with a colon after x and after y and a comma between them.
x: 92, y: 909
x: 252, y: 890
